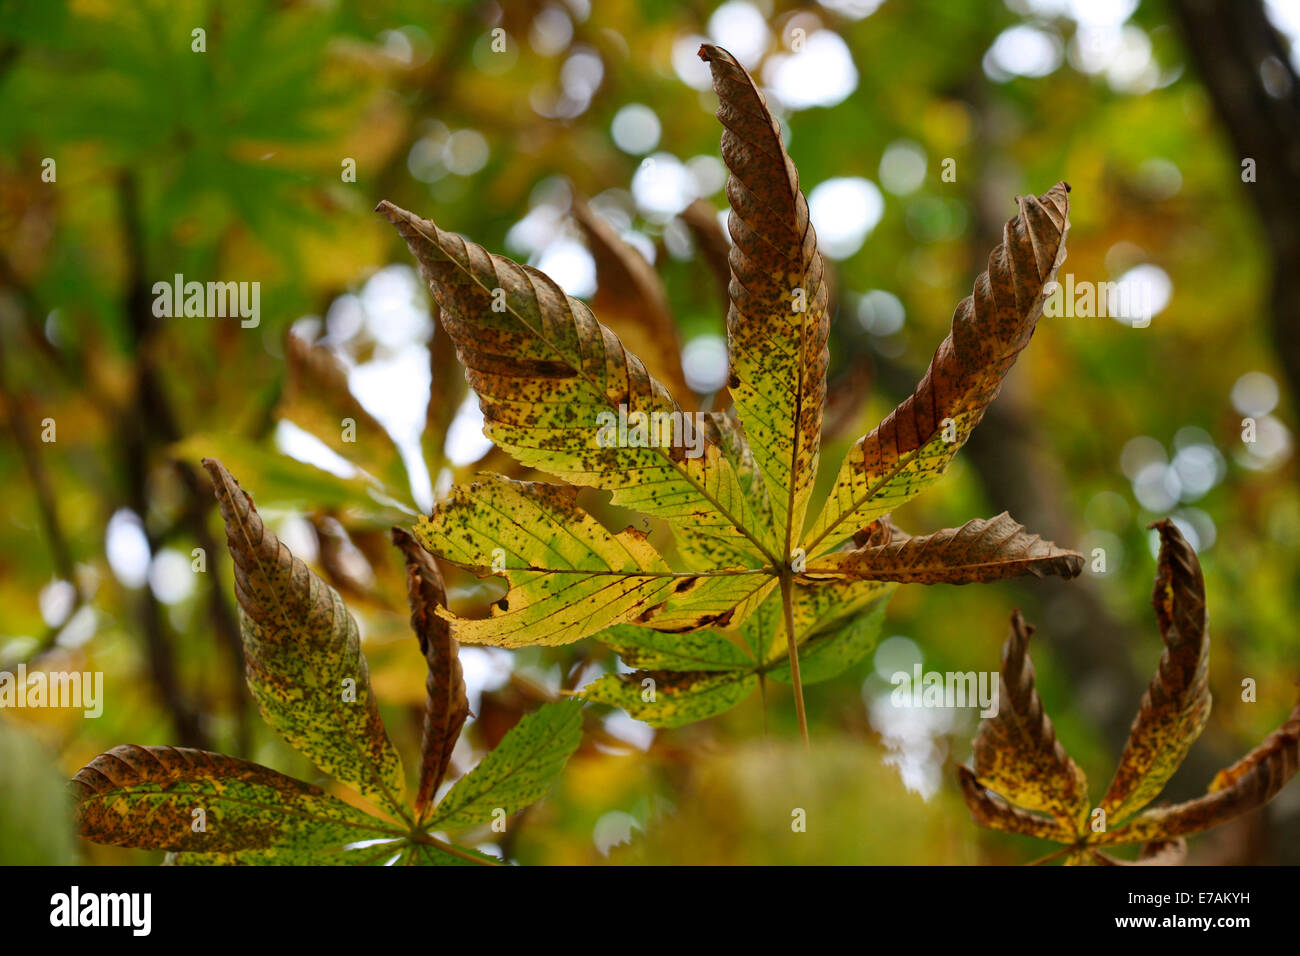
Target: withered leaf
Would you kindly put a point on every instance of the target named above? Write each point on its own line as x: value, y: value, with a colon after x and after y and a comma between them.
x: 980, y: 550
x: 446, y: 706
x: 1020, y: 767
x: 307, y: 673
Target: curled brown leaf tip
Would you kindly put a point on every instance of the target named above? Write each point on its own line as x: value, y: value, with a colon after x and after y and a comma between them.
x: 446, y: 703
x: 1179, y: 594
x: 1176, y: 704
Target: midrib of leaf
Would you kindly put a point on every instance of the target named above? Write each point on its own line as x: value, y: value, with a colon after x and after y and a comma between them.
x: 866, y: 574
x: 795, y: 423
x: 393, y: 802
x: 738, y: 525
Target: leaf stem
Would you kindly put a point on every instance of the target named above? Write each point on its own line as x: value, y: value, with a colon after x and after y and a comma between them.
x: 787, y: 601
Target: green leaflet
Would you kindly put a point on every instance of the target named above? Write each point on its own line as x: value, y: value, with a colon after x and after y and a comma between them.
x: 518, y: 772
x: 652, y: 650
x: 673, y: 698
x: 303, y: 655
x: 829, y: 655
x: 146, y: 797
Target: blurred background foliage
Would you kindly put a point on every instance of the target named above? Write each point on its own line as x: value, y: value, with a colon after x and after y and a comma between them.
x: 499, y: 120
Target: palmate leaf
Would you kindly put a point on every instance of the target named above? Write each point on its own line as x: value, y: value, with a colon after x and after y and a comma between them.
x: 551, y: 379
x: 298, y: 640
x: 1023, y: 782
